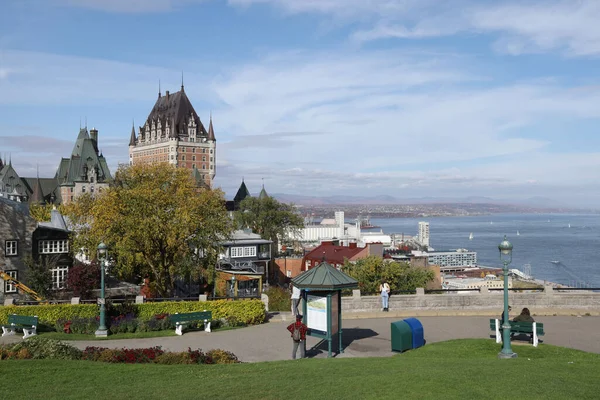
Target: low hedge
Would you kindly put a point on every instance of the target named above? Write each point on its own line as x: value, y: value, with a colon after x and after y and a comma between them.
x: 246, y: 312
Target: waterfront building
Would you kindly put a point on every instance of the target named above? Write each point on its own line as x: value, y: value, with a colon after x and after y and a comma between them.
x: 423, y: 234
x: 457, y: 258
x: 173, y: 133
x: 490, y: 282
x: 329, y: 228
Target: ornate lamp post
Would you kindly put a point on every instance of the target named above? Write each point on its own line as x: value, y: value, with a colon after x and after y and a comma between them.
x: 505, y: 248
x: 233, y: 286
x: 102, y: 331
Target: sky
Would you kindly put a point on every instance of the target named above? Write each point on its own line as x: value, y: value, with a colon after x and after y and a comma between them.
x: 406, y: 98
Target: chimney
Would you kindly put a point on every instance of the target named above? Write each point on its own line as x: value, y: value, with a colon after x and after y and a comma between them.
x: 167, y: 94
x: 352, y: 245
x: 94, y: 137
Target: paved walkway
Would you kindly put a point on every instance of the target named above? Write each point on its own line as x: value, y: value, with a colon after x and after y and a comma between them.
x: 362, y: 337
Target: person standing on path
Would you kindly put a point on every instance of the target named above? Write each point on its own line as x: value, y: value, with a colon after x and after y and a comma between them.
x: 295, y: 299
x: 384, y: 288
x: 298, y: 331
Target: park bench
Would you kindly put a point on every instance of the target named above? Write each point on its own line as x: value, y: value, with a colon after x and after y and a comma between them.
x: 26, y: 323
x: 533, y: 329
x: 181, y: 320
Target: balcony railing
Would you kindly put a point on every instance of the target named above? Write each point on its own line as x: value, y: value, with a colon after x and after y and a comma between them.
x: 251, y: 266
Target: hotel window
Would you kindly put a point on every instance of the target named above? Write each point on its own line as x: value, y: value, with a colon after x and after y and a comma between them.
x: 71, y: 190
x: 203, y: 166
x: 211, y: 151
x: 193, y: 165
x: 83, y: 189
x: 9, y: 287
x: 211, y: 167
x: 182, y: 158
x: 194, y: 150
x: 211, y: 159
x: 59, y: 277
x: 203, y: 158
x: 10, y: 248
x: 193, y: 158
x: 204, y: 150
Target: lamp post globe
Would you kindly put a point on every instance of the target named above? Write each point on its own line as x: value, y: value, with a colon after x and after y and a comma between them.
x: 102, y: 330
x: 232, y: 285
x: 505, y: 247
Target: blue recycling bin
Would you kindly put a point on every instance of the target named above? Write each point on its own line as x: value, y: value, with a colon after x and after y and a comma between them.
x: 418, y: 336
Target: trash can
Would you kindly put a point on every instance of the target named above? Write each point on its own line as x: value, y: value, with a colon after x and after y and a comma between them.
x: 401, y: 336
x: 416, y: 328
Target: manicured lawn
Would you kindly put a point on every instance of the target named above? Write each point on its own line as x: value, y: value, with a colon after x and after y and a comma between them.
x: 461, y: 369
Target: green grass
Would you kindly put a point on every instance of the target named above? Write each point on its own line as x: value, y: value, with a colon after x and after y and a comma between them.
x: 455, y: 369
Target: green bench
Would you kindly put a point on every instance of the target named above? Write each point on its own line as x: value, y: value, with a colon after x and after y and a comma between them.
x: 533, y: 329
x: 181, y: 320
x: 24, y: 322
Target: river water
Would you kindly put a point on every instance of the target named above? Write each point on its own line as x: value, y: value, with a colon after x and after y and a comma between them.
x: 542, y: 238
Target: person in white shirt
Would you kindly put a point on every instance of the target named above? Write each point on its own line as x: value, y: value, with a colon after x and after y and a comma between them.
x: 384, y: 288
x: 295, y: 299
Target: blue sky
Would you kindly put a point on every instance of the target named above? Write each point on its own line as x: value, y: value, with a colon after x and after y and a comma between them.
x: 408, y: 98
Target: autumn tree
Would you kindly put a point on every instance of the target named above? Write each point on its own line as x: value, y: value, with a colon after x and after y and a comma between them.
x: 153, y: 219
x: 269, y: 218
x: 371, y: 270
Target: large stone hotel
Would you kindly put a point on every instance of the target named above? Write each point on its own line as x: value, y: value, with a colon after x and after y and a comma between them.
x: 173, y: 133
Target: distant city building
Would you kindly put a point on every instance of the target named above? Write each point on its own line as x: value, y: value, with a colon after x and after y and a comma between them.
x: 423, y: 234
x: 336, y: 255
x: 490, y: 281
x: 458, y: 258
x: 173, y: 133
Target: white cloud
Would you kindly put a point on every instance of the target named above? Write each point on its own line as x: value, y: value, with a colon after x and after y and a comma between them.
x: 129, y: 6
x: 524, y: 27
x: 367, y: 122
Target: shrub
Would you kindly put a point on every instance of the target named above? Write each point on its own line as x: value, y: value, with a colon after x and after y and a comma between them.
x: 174, y: 358
x: 40, y: 347
x: 222, y: 357
x: 279, y: 299
x: 159, y: 322
x: 49, y: 314
x: 83, y: 278
x: 245, y: 312
x: 128, y: 356
x: 86, y: 326
x: 123, y: 324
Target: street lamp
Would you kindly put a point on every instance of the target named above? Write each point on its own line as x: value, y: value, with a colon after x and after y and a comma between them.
x: 505, y: 248
x: 102, y: 331
x: 233, y: 286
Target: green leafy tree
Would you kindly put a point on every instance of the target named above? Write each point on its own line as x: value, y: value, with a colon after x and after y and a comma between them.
x: 269, y: 218
x: 38, y: 275
x: 153, y: 218
x: 370, y: 271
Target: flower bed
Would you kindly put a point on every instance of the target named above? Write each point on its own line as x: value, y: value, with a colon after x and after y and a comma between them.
x: 41, y: 348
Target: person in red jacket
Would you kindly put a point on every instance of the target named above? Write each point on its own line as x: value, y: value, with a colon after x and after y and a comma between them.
x: 298, y: 331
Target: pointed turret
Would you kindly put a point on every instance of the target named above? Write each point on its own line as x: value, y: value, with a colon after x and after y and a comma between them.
x: 242, y: 193
x: 1, y: 164
x: 263, y: 193
x: 211, y: 131
x: 132, y: 138
x: 37, y: 196
x: 182, y: 81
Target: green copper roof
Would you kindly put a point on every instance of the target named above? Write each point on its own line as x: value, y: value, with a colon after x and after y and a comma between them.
x: 326, y: 277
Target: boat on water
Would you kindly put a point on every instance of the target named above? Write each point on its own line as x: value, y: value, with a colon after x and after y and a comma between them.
x: 555, y: 262
x: 569, y: 225
x: 518, y: 234
x: 471, y: 236
x: 491, y: 222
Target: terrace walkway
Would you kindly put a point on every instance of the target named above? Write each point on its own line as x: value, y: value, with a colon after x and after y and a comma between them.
x: 369, y: 337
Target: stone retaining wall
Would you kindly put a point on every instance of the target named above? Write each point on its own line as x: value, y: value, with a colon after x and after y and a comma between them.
x: 484, y: 302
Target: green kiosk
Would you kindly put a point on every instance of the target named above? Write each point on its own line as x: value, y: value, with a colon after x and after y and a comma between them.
x: 322, y: 309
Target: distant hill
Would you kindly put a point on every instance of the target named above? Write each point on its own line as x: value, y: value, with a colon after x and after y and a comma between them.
x: 538, y: 201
